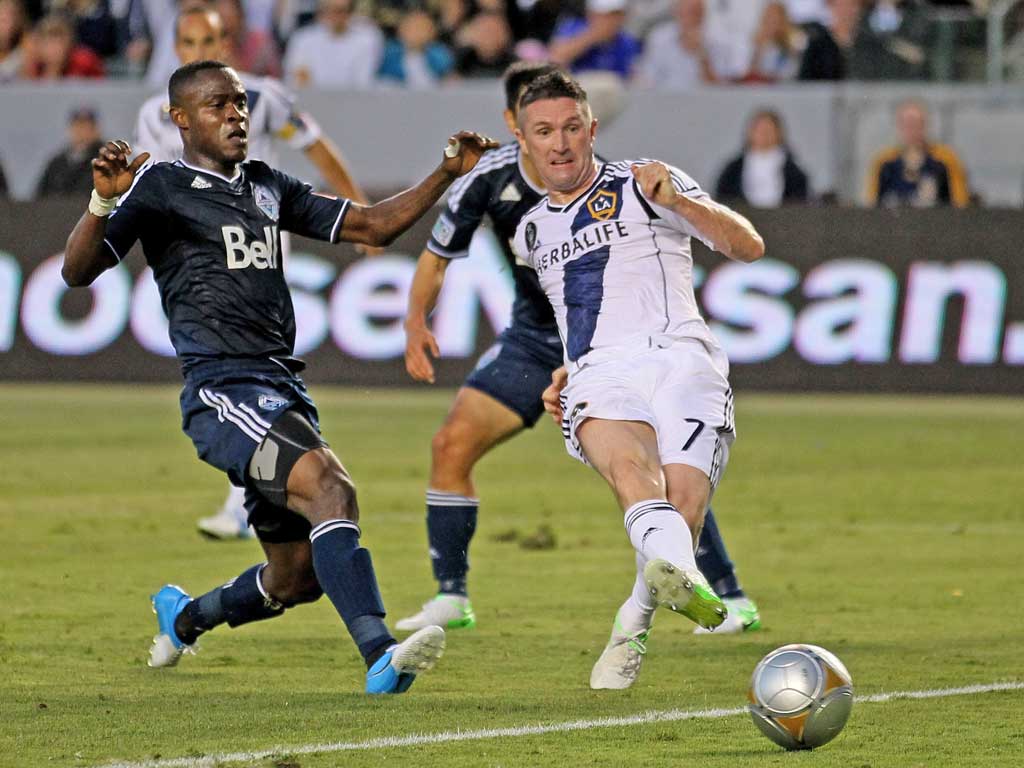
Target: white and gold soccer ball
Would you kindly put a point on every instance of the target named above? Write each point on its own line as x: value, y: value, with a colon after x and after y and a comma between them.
x: 800, y: 696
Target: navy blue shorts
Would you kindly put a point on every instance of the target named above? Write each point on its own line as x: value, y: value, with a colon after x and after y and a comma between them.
x: 516, y: 370
x: 227, y: 406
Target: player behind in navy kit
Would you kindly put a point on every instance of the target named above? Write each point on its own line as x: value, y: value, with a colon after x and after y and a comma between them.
x: 502, y: 396
x: 209, y: 225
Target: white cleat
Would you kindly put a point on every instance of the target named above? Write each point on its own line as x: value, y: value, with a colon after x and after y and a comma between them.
x: 228, y: 523
x: 447, y: 611
x: 164, y: 653
x: 620, y: 662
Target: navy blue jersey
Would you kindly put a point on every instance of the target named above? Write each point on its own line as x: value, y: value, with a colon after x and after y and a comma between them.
x: 215, y: 248
x: 498, y: 188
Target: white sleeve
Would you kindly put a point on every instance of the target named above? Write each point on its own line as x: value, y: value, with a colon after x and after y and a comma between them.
x: 518, y: 243
x: 153, y: 136
x: 684, y: 185
x: 283, y: 120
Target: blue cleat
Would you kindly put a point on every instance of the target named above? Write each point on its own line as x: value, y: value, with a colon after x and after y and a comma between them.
x: 398, y: 667
x: 168, y: 602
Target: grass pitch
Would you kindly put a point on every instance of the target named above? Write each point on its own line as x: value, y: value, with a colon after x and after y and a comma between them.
x: 889, y: 530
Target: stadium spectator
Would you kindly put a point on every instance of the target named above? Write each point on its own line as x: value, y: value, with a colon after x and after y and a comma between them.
x: 778, y: 46
x: 488, y: 49
x: 151, y: 38
x: 596, y: 40
x: 808, y: 11
x: 292, y: 15
x: 730, y: 27
x: 414, y: 57
x: 917, y: 172
x: 249, y: 50
x: 891, y: 42
x: 764, y: 174
x: 95, y: 26
x: 53, y: 53
x: 533, y: 21
x: 69, y: 172
x: 13, y: 28
x: 3, y: 184
x: 677, y: 54
x: 828, y: 46
x: 341, y: 50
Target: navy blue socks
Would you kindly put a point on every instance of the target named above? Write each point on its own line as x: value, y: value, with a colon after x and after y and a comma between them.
x: 714, y: 562
x: 345, y: 573
x: 451, y: 523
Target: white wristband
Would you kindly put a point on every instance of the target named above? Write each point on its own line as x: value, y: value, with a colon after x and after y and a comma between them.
x: 101, y: 206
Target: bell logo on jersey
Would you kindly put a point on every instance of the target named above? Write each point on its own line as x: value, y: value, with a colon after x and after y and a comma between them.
x: 260, y: 254
x: 602, y: 204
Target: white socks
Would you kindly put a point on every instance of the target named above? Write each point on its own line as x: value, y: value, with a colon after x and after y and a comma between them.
x: 658, y: 531
x: 636, y: 613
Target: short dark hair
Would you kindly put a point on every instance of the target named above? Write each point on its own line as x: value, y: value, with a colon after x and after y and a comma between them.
x: 554, y: 85
x: 184, y: 75
x: 520, y: 75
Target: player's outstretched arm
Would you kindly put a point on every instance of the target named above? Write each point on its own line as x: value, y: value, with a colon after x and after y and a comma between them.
x: 733, y: 234
x: 419, y: 340
x: 380, y: 224
x: 85, y: 257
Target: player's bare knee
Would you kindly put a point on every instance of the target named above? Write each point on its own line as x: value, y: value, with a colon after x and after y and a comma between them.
x: 633, y: 474
x: 451, y: 449
x: 336, y: 492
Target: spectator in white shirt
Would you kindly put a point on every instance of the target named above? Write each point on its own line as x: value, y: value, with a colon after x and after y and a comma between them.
x: 340, y: 50
x: 765, y: 174
x: 677, y: 55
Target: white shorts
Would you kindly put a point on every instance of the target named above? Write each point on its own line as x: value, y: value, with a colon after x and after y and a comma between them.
x: 679, y: 390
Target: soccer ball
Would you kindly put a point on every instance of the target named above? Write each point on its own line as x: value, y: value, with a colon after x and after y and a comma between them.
x: 800, y: 696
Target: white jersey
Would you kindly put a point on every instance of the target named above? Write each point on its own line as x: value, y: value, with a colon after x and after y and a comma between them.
x: 616, y: 267
x: 272, y: 116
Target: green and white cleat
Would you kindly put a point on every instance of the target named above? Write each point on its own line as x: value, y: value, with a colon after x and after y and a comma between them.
x: 620, y: 662
x: 743, y: 617
x: 685, y: 592
x: 446, y: 611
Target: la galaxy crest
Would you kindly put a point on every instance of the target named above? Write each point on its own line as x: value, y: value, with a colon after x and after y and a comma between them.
x: 266, y: 201
x: 602, y: 204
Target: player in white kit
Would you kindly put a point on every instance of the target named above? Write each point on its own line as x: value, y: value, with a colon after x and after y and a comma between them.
x: 648, y: 402
x: 198, y: 36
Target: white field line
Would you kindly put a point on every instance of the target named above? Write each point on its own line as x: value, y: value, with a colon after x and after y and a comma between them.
x: 444, y: 737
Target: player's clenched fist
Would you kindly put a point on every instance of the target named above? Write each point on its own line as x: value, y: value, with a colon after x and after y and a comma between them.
x: 464, y: 149
x: 552, y: 395
x: 655, y: 182
x: 112, y: 174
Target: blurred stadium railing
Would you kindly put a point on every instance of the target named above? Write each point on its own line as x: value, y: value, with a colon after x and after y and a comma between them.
x: 392, y: 138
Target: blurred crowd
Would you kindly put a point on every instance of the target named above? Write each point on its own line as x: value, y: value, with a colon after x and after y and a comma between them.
x: 669, y: 44
x: 361, y: 44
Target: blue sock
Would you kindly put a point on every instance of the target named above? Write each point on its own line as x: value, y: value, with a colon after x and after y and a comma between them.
x: 345, y: 573
x: 714, y: 562
x: 238, y: 602
x: 451, y: 523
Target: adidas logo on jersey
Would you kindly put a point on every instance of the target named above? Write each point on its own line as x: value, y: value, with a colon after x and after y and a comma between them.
x: 200, y: 183
x: 260, y: 254
x: 510, y: 194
